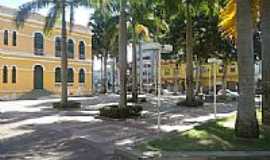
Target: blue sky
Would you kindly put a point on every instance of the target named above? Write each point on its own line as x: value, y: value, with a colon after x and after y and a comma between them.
x: 81, y: 15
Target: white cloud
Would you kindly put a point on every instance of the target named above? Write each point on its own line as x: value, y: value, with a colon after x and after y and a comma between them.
x: 82, y: 15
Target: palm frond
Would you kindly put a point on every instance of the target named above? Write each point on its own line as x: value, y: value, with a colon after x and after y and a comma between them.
x: 52, y: 17
x: 71, y: 17
x: 28, y: 8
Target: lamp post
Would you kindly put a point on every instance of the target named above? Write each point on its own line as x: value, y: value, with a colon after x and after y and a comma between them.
x: 160, y: 49
x: 215, y: 61
x: 209, y: 81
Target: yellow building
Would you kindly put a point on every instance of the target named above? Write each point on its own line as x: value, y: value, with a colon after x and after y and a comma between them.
x: 31, y: 60
x: 171, y: 73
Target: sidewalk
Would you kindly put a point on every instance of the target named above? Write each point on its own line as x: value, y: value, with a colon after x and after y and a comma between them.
x: 34, y: 130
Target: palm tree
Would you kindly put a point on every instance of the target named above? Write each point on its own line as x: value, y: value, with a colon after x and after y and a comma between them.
x: 189, y: 9
x: 139, y: 31
x: 265, y: 25
x: 246, y: 125
x: 123, y: 53
x: 189, y: 57
x: 228, y: 25
x: 104, y: 28
x: 139, y: 10
x: 57, y: 9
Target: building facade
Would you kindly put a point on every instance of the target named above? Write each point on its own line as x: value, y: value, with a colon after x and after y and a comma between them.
x: 173, y: 73
x: 31, y: 60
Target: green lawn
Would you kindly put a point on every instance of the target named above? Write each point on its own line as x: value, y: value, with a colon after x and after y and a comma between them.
x: 212, y: 136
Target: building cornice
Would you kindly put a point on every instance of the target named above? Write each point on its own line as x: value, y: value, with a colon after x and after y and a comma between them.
x: 40, y: 24
x: 26, y: 56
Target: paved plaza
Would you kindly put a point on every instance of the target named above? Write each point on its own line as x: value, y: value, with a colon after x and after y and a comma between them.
x: 32, y: 129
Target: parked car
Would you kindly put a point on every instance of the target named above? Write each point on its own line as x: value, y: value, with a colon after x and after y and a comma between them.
x: 228, y: 93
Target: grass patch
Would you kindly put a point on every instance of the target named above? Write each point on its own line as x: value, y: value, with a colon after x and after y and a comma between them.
x: 212, y: 136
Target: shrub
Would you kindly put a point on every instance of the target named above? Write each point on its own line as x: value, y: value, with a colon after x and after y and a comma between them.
x: 195, y: 103
x: 70, y: 105
x: 121, y: 113
x: 140, y: 100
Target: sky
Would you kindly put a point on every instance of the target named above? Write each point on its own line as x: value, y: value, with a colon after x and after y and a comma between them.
x: 82, y: 16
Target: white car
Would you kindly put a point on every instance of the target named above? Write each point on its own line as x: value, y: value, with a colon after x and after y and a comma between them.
x: 228, y: 92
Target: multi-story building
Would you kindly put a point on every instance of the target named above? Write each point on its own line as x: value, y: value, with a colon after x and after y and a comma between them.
x: 173, y: 73
x: 31, y: 60
x: 147, y: 63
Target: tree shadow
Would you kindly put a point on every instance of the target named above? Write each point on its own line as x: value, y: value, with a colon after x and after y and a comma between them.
x: 211, y: 136
x: 55, y: 140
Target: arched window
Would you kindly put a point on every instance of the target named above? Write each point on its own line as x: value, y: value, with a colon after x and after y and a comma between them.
x: 14, y: 74
x: 70, y: 75
x: 38, y: 44
x: 6, y: 37
x: 58, y: 74
x: 57, y: 47
x: 5, y: 74
x: 81, y: 50
x: 14, y: 38
x: 70, y: 48
x: 81, y: 76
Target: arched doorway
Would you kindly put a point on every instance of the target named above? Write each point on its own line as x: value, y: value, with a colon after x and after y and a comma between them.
x: 38, y: 77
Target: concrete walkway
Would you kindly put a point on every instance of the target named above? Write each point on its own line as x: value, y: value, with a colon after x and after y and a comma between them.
x: 33, y: 130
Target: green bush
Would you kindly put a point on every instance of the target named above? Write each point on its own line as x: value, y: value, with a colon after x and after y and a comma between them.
x: 121, y: 113
x: 195, y: 103
x: 140, y: 100
x: 70, y: 105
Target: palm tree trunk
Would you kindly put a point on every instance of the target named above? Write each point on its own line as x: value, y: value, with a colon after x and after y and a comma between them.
x: 141, y: 67
x: 198, y: 76
x: 266, y: 61
x: 113, y: 76
x: 246, y: 125
x: 176, y: 77
x: 64, y: 60
x: 224, y: 77
x: 105, y: 81
x: 189, y: 58
x: 123, y: 54
x: 134, y: 65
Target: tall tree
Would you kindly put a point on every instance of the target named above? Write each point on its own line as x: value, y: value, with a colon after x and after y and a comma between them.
x: 105, y: 33
x: 265, y: 25
x: 123, y: 53
x: 138, y: 17
x: 246, y: 125
x: 188, y: 9
x: 189, y: 57
x: 57, y: 11
x: 228, y: 25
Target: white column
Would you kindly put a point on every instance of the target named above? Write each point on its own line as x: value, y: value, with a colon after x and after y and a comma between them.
x: 159, y: 86
x: 215, y: 90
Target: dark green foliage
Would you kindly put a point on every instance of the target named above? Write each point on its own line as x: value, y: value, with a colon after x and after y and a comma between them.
x: 195, y: 103
x: 121, y: 113
x: 70, y: 105
x: 140, y: 100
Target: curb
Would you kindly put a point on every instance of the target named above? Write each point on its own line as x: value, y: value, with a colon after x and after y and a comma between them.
x: 129, y: 154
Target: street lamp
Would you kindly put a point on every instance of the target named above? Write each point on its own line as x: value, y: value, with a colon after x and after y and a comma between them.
x: 215, y: 61
x: 161, y: 49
